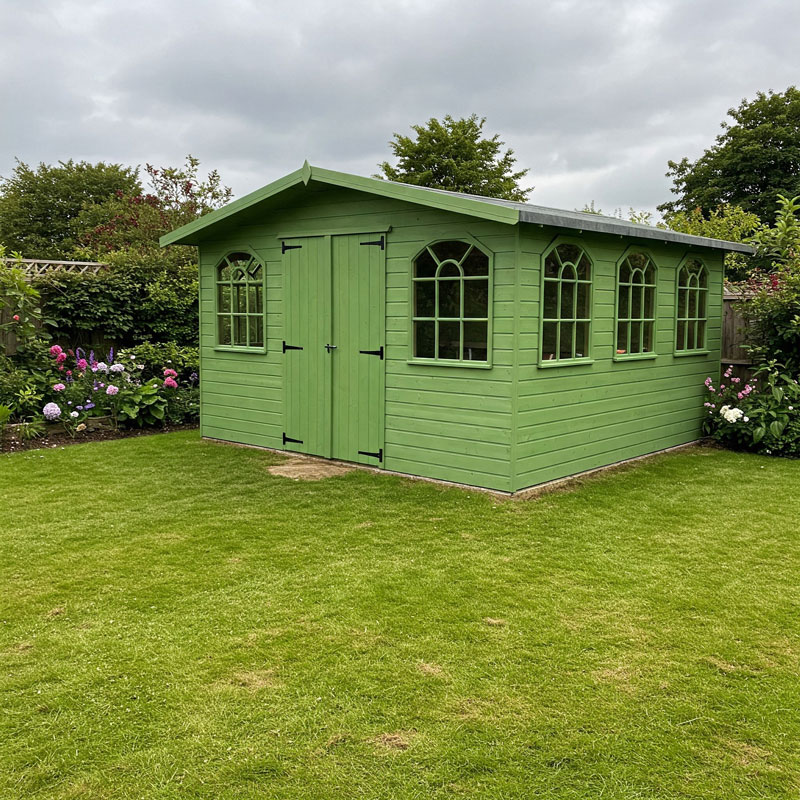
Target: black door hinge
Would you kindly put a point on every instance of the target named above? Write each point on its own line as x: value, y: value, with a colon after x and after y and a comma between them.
x: 379, y: 243
x: 285, y: 247
x: 289, y: 439
x: 378, y: 455
x: 290, y: 347
x: 378, y: 352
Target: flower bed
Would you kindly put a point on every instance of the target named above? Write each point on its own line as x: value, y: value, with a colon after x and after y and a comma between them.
x: 761, y: 415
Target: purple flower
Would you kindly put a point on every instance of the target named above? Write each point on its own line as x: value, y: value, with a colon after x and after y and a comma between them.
x: 51, y: 411
x: 89, y: 406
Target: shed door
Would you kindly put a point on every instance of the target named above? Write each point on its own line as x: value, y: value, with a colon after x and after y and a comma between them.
x: 335, y: 310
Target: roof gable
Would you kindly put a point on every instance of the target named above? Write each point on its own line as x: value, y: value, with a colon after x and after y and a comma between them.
x: 489, y: 208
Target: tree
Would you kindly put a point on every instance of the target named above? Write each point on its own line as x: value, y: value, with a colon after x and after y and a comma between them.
x: 133, y: 222
x: 40, y: 208
x: 731, y: 223
x: 455, y: 155
x: 755, y: 159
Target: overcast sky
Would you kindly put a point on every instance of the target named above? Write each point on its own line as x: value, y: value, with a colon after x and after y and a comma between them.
x: 593, y: 95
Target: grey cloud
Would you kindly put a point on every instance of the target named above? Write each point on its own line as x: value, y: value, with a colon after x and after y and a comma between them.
x: 593, y: 95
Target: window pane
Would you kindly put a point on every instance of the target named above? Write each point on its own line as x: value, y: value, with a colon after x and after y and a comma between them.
x: 424, y: 298
x: 256, y: 324
x: 581, y: 340
x: 240, y: 297
x: 701, y: 304
x: 649, y: 302
x: 647, y: 337
x: 240, y: 330
x: 259, y: 308
x: 549, y: 340
x: 454, y: 250
x: 682, y: 302
x: 449, y: 299
x: 582, y: 310
x: 624, y: 302
x: 636, y: 302
x: 703, y: 278
x: 650, y: 274
x: 224, y: 329
x: 425, y: 266
x: 565, y: 345
x: 449, y: 339
x: 449, y: 270
x: 622, y: 338
x: 224, y: 271
x: 637, y: 260
x: 584, y: 269
x: 636, y: 337
x: 701, y: 334
x: 255, y: 271
x: 224, y: 297
x: 691, y: 330
x: 569, y: 253
x: 567, y: 300
x: 252, y: 298
x: 475, y: 341
x: 551, y: 266
x: 680, y: 339
x: 551, y: 299
x: 625, y: 272
x: 424, y: 342
x: 692, y: 303
x: 476, y: 298
x: 476, y: 263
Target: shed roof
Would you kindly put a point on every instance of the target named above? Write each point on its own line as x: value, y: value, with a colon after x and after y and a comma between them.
x: 505, y: 211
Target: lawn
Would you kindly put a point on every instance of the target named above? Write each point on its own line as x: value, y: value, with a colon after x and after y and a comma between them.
x: 177, y: 622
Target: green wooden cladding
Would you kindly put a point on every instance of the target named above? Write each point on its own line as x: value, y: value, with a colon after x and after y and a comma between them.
x: 514, y: 421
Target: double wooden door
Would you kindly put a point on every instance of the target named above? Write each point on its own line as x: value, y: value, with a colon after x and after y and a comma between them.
x: 334, y: 347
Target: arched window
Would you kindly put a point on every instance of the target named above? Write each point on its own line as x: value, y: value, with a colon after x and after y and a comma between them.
x: 692, y: 313
x: 636, y: 306
x: 240, y: 302
x: 566, y: 304
x: 451, y: 303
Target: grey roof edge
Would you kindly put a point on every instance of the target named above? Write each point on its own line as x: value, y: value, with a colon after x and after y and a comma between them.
x: 600, y: 224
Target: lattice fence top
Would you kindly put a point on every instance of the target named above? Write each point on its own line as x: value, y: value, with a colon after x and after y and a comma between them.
x: 34, y: 267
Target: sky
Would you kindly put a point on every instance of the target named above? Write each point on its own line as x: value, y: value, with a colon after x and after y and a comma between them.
x: 594, y: 96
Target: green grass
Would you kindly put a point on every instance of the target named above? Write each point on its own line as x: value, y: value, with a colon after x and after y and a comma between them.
x: 176, y: 622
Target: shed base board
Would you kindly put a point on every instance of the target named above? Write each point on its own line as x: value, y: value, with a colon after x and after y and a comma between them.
x: 529, y: 492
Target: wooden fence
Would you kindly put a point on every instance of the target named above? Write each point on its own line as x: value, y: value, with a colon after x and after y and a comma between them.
x: 733, y: 336
x: 33, y: 268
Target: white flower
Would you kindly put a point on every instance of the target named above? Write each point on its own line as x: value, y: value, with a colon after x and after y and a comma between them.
x: 140, y: 366
x: 74, y: 414
x: 791, y: 408
x: 117, y: 367
x: 102, y: 366
x: 731, y: 415
x: 131, y: 356
x: 745, y: 419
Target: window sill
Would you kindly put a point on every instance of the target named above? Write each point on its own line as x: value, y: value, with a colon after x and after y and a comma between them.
x: 684, y: 353
x: 221, y: 348
x: 565, y: 362
x: 635, y: 356
x: 433, y: 362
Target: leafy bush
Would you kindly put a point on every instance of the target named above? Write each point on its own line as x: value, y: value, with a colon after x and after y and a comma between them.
x: 132, y: 301
x: 20, y: 302
x: 761, y: 415
x: 159, y: 356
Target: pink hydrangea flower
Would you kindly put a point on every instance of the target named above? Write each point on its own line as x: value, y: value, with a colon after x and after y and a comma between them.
x: 55, y: 350
x: 170, y: 373
x: 59, y: 387
x: 111, y: 389
x: 82, y: 364
x: 61, y: 357
x: 170, y: 383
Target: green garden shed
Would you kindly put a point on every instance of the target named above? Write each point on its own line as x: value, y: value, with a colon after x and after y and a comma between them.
x: 462, y: 338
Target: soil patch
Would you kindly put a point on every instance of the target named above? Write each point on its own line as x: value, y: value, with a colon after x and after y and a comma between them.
x: 309, y: 469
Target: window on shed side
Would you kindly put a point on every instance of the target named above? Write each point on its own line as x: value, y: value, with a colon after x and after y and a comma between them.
x: 566, y: 304
x: 240, y: 302
x: 451, y: 303
x: 636, y: 305
x: 692, y: 306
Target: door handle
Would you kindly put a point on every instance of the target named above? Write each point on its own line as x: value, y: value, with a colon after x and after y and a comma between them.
x: 330, y: 347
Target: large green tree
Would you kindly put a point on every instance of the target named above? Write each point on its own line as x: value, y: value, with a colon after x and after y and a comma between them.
x: 40, y: 207
x: 754, y: 159
x: 454, y: 154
